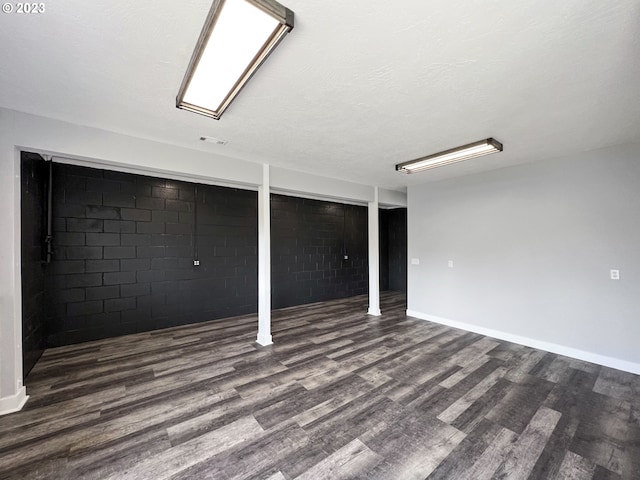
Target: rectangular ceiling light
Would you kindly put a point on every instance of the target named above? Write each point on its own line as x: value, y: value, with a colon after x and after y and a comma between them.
x: 472, y: 150
x: 237, y: 37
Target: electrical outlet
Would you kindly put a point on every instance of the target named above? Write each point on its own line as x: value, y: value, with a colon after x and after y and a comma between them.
x: 415, y: 261
x: 196, y: 263
x: 346, y: 257
x: 615, y: 274
x: 450, y: 263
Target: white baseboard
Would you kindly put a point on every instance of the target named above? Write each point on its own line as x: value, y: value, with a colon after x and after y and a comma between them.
x: 264, y: 340
x: 374, y: 311
x: 14, y: 403
x: 596, y: 358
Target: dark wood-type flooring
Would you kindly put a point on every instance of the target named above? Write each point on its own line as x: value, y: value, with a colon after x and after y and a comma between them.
x: 339, y: 395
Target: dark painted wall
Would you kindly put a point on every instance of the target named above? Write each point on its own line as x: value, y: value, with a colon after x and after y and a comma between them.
x: 34, y: 180
x: 124, y: 247
x: 124, y: 251
x: 397, y: 231
x: 309, y: 239
x: 383, y: 239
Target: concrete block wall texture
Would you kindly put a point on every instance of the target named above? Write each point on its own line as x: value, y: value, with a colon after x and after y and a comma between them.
x: 309, y: 239
x: 393, y: 249
x: 397, y: 253
x: 124, y: 247
x: 34, y: 176
x: 383, y: 241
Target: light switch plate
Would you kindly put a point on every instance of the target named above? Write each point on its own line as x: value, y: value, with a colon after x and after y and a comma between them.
x: 615, y: 274
x: 415, y: 261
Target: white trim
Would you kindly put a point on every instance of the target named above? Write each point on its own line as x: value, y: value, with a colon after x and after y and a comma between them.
x: 374, y: 311
x: 596, y: 358
x: 14, y: 403
x: 264, y: 340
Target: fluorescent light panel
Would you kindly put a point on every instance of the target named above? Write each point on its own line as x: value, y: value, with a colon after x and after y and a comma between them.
x: 458, y: 154
x: 237, y: 37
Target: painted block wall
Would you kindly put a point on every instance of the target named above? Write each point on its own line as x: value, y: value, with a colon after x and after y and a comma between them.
x: 397, y: 242
x: 34, y: 176
x: 124, y: 247
x: 393, y: 249
x: 309, y: 239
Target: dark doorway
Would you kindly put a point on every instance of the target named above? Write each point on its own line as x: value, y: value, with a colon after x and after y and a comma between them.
x: 393, y: 250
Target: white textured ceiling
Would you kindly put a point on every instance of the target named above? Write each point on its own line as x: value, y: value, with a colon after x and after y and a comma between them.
x: 355, y: 88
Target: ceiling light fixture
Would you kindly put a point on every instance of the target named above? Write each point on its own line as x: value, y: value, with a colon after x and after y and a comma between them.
x: 237, y: 37
x: 458, y: 154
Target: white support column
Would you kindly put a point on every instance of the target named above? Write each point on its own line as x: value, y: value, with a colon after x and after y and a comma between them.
x: 264, y: 260
x: 374, y: 257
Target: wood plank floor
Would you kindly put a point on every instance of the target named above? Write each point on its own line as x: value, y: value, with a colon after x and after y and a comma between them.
x: 339, y: 395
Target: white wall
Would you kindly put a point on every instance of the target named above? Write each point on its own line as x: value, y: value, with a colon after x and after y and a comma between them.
x: 298, y: 183
x: 99, y: 148
x: 532, y: 247
x: 12, y: 393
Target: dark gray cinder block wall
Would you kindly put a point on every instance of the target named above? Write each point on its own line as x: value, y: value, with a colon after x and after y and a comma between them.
x: 309, y: 239
x: 34, y: 177
x: 397, y: 244
x: 393, y: 249
x: 124, y: 247
x: 383, y: 239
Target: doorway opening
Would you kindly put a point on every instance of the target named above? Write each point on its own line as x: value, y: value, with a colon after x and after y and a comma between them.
x: 393, y: 250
